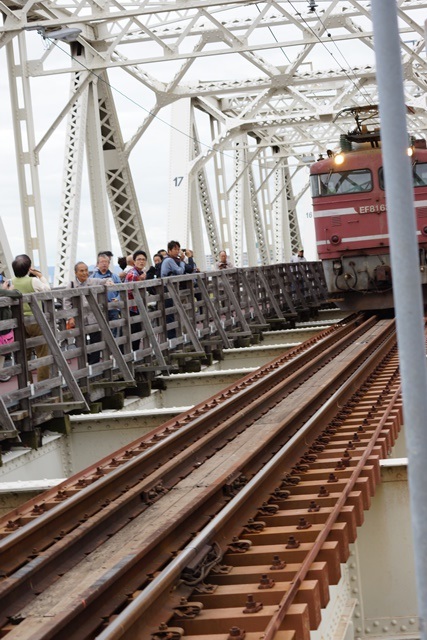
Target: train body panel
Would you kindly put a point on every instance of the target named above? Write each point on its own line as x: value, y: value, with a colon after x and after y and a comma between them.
x: 350, y: 215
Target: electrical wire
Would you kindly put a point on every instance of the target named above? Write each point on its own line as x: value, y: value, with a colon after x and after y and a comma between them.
x: 148, y: 111
x: 343, y: 57
x: 330, y: 52
x: 276, y: 40
x: 155, y: 116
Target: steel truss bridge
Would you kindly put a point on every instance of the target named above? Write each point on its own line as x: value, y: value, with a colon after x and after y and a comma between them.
x: 251, y: 92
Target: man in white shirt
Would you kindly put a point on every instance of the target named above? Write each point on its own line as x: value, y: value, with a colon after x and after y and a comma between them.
x: 299, y: 257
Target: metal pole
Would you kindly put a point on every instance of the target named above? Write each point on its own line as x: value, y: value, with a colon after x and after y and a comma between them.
x: 406, y: 276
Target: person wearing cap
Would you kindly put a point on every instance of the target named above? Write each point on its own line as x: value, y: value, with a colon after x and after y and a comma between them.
x: 299, y: 257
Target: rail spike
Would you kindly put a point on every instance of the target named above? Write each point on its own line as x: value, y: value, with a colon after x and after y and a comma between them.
x: 167, y: 633
x: 187, y: 610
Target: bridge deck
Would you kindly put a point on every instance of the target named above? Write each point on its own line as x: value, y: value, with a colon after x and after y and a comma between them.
x: 182, y: 322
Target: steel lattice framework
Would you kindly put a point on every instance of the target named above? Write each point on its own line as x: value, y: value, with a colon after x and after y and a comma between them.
x: 263, y: 84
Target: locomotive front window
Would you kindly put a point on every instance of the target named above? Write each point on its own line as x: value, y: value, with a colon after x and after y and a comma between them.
x: 341, y: 182
x: 419, y: 174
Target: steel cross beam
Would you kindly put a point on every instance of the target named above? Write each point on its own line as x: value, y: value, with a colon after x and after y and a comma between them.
x: 275, y: 74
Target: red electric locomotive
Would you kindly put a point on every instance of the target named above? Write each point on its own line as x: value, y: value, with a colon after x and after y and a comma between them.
x: 351, y: 215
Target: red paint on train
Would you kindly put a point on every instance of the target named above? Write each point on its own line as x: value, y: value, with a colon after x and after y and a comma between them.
x: 349, y: 203
x: 350, y: 215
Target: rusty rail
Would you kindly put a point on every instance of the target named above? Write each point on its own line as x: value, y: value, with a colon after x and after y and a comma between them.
x: 97, y: 599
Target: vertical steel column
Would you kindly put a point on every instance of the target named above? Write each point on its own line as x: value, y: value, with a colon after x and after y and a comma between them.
x: 283, y: 219
x: 294, y: 232
x: 27, y: 160
x: 243, y: 205
x: 118, y: 176
x: 224, y: 216
x: 96, y: 170
x: 5, y: 252
x: 279, y: 209
x: 201, y: 200
x: 265, y: 173
x: 179, y: 187
x: 258, y: 219
x: 66, y: 252
x: 406, y: 276
x: 238, y: 203
x: 196, y: 242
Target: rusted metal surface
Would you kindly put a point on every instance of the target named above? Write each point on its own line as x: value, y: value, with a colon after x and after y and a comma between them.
x: 272, y: 472
x: 264, y: 378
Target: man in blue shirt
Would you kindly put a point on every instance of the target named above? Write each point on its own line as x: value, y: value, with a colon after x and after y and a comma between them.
x: 174, y: 264
x: 102, y: 271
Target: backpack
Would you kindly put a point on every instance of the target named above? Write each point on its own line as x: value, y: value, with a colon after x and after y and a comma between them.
x: 6, y: 312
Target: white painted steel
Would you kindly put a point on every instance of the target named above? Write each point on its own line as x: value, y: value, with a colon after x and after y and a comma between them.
x: 96, y: 168
x: 27, y: 162
x: 281, y: 234
x: 66, y: 254
x: 179, y: 212
x: 406, y: 276
x: 5, y: 252
x: 203, y: 199
x: 275, y: 73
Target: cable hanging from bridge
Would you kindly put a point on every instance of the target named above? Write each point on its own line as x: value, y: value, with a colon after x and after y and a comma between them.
x: 312, y: 9
x: 148, y: 111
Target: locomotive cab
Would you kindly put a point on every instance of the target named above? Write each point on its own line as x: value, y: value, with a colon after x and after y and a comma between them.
x: 350, y: 215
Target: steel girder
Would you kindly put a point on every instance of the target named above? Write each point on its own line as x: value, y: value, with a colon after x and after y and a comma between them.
x: 275, y: 73
x: 73, y: 165
x: 27, y: 160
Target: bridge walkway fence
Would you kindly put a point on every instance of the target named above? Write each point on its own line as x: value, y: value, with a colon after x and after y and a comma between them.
x: 182, y: 323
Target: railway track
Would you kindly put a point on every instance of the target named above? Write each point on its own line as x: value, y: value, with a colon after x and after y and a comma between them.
x: 197, y: 529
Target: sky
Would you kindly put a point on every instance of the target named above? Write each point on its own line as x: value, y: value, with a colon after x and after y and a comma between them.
x: 149, y: 163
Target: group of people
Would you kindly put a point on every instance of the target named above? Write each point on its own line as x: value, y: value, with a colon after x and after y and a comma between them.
x: 173, y: 262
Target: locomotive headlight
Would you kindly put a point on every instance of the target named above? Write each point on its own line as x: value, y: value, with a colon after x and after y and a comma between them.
x: 410, y: 151
x: 335, y: 239
x: 339, y: 158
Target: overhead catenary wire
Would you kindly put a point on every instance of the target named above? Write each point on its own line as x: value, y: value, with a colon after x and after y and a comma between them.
x: 205, y: 145
x: 365, y: 97
x: 148, y: 111
x: 276, y: 40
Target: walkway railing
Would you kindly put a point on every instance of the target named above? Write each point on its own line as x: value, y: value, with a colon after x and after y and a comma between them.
x: 182, y: 322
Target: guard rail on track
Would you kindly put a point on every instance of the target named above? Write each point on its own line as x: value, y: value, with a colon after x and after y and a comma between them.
x: 117, y: 551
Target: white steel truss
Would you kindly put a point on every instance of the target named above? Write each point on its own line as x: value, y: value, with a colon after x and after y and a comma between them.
x: 119, y: 181
x: 27, y: 160
x: 5, y: 253
x: 73, y: 165
x: 206, y: 205
x: 260, y: 76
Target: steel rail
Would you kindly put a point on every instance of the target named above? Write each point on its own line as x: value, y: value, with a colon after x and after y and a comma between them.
x: 289, y: 597
x: 67, y: 513
x: 20, y: 585
x: 12, y: 587
x: 93, y: 598
x: 167, y: 578
x: 291, y: 361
